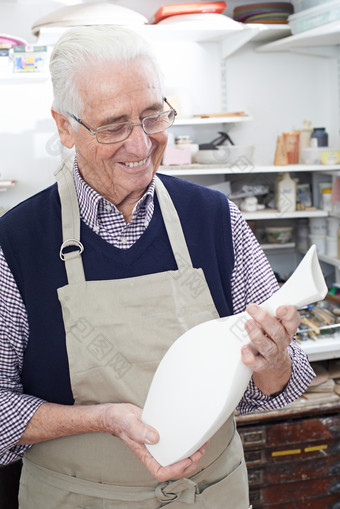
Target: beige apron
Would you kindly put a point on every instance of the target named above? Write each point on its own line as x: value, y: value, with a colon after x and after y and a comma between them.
x: 116, y: 334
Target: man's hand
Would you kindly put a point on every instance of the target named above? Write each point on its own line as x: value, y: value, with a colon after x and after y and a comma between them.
x: 124, y: 421
x: 270, y: 336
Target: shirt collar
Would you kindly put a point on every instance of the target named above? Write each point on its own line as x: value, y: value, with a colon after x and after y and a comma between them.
x: 90, y: 201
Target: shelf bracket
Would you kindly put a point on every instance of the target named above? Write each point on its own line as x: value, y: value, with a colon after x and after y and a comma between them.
x: 231, y: 44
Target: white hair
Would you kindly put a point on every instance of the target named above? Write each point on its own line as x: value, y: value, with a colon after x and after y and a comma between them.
x: 81, y: 47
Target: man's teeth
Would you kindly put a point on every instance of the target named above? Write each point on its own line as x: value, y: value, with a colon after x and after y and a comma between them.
x: 136, y: 163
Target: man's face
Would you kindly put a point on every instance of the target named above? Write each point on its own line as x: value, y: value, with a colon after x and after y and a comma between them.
x: 119, y: 93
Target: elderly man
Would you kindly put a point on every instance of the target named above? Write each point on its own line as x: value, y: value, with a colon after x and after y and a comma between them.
x: 92, y: 297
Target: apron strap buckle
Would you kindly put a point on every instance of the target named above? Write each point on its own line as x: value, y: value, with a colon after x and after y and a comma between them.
x: 183, y: 489
x: 68, y: 243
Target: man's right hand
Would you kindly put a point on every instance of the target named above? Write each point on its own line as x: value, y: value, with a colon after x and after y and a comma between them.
x: 124, y: 421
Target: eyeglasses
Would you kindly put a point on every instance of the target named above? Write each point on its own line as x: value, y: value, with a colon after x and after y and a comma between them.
x: 114, y: 133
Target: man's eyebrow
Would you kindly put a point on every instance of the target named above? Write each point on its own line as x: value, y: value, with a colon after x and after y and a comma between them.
x: 158, y: 106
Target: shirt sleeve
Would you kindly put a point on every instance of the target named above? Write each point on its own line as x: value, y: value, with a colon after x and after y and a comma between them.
x: 16, y: 408
x: 253, y: 280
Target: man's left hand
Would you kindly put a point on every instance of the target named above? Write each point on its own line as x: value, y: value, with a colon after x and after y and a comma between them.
x: 271, y: 363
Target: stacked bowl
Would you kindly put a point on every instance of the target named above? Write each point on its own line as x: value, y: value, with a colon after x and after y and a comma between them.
x: 268, y: 13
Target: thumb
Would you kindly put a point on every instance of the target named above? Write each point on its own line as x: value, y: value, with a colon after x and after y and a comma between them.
x: 151, y: 436
x: 143, y: 433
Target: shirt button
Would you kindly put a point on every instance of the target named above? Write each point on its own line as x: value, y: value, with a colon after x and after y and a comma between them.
x: 146, y: 222
x: 123, y: 240
x: 96, y: 228
x: 108, y: 207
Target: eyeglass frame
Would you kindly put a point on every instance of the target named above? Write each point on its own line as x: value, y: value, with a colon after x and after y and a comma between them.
x: 79, y: 120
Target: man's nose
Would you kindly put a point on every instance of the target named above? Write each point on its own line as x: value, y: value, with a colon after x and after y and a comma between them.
x: 138, y: 142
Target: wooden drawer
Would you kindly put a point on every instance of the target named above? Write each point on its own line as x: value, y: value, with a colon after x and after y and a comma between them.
x: 293, y: 453
x: 294, y: 493
x: 291, y: 432
x: 327, y: 502
x: 293, y: 463
x: 292, y: 471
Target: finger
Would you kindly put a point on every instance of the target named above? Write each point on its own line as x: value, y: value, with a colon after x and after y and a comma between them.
x: 180, y: 468
x: 289, y: 317
x: 256, y: 362
x: 175, y: 471
x: 269, y: 325
x: 262, y: 343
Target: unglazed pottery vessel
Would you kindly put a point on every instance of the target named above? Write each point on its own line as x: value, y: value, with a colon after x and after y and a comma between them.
x: 201, y: 378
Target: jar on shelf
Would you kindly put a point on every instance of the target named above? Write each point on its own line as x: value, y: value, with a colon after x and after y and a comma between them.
x: 185, y: 141
x: 318, y: 226
x: 333, y: 225
x: 302, y: 235
x: 320, y: 134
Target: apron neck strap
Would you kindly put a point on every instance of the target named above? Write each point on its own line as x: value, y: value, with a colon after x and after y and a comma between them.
x: 70, y: 220
x: 173, y: 226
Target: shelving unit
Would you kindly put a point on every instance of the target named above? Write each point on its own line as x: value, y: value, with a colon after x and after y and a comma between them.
x: 326, y: 347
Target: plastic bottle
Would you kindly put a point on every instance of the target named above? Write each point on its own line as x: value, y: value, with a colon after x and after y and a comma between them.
x: 326, y: 199
x: 292, y: 141
x: 305, y: 137
x: 286, y: 194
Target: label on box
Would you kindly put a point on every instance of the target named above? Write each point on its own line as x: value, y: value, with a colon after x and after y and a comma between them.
x: 330, y: 157
x: 29, y: 58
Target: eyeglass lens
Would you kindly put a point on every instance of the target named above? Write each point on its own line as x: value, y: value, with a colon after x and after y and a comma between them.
x: 151, y: 125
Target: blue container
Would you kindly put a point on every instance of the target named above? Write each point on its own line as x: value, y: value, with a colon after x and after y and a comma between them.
x: 321, y: 135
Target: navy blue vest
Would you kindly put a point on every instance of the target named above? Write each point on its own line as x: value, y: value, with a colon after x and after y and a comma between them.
x: 31, y: 236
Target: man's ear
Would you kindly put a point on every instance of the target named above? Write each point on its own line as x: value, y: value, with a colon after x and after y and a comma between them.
x: 64, y: 128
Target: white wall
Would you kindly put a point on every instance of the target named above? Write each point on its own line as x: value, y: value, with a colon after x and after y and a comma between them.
x: 30, y: 150
x: 280, y: 91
